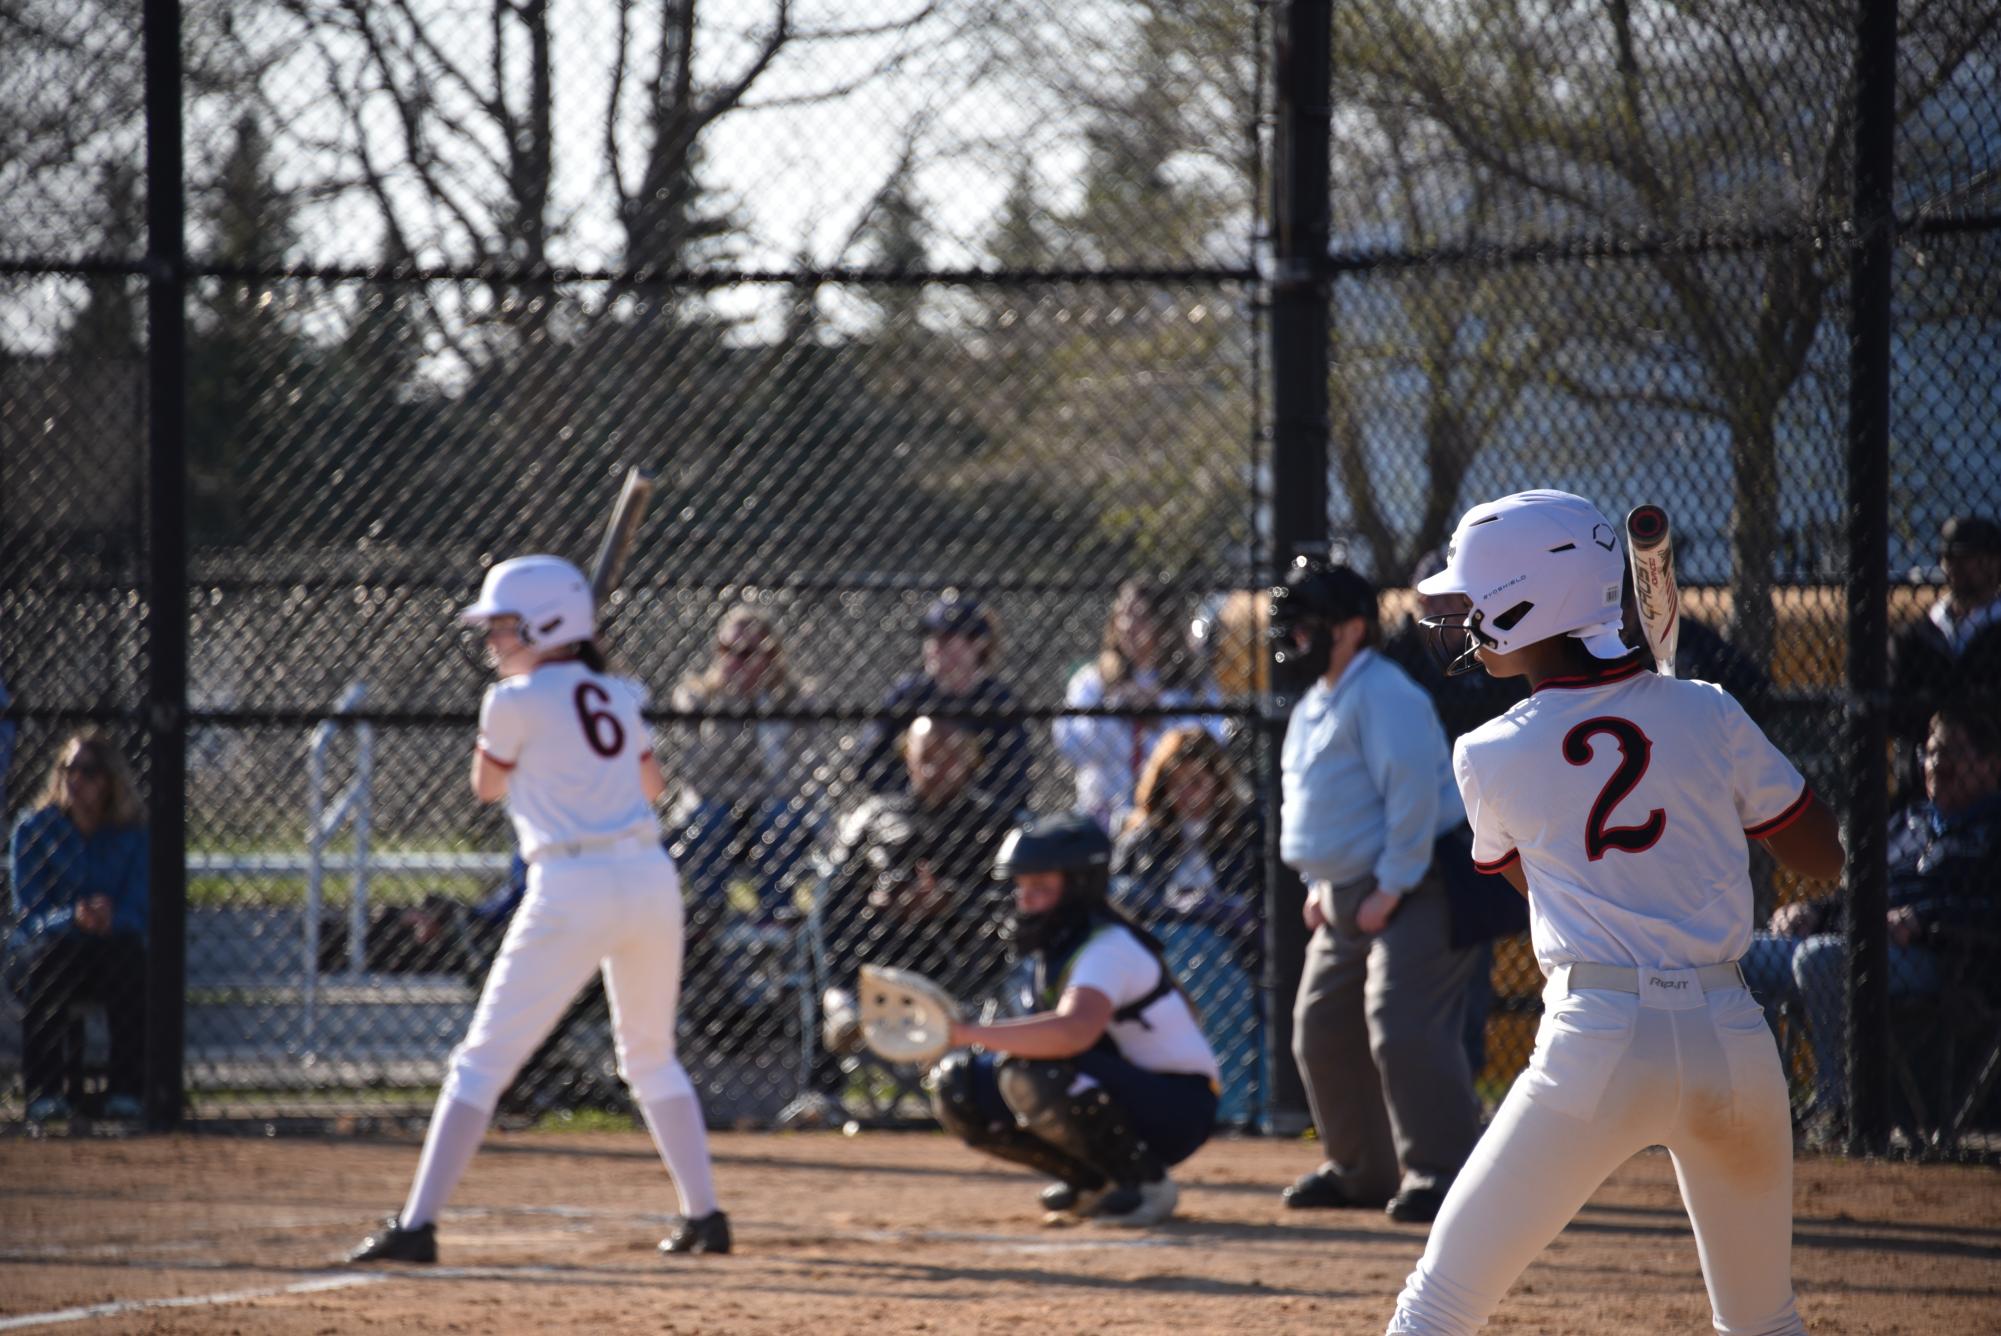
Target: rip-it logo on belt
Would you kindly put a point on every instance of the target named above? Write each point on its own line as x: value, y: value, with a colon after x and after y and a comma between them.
x: 1670, y: 990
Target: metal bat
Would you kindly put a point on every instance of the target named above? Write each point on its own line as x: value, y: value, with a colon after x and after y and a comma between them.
x: 609, y: 568
x: 1650, y: 549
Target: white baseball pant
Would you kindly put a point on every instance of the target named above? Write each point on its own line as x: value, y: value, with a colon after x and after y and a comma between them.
x: 1610, y: 1076
x: 619, y: 911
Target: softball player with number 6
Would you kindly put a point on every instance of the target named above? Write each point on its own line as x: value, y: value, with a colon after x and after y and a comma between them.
x: 565, y: 745
x: 1621, y: 804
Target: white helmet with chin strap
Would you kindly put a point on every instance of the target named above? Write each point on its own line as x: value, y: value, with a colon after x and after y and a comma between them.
x: 1534, y: 565
x: 548, y: 594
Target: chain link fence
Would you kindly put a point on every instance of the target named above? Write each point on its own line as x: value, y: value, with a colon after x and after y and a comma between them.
x: 946, y: 332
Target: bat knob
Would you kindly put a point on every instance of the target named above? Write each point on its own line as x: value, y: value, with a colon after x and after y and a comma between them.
x: 1647, y: 524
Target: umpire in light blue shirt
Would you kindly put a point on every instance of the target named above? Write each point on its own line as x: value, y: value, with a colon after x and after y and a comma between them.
x: 1368, y: 790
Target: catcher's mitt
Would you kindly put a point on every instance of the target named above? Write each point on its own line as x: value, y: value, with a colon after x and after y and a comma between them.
x: 905, y: 1017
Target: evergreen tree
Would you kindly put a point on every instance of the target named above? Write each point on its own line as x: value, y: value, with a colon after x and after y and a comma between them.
x: 243, y: 353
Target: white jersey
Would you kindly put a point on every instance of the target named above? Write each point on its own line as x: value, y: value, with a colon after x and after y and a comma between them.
x: 571, y: 740
x: 1628, y: 798
x: 1164, y: 1038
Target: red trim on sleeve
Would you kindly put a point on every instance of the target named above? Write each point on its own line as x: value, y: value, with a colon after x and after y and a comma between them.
x: 504, y: 765
x: 1767, y: 829
x: 1511, y: 856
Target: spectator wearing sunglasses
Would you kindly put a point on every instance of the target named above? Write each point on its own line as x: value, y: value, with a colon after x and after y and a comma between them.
x: 743, y: 801
x: 78, y: 862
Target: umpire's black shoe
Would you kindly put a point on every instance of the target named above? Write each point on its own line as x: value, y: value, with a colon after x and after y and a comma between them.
x: 1321, y: 1190
x: 393, y: 1243
x: 704, y: 1234
x: 1415, y: 1206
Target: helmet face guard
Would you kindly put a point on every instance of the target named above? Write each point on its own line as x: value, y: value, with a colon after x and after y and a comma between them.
x: 1455, y: 640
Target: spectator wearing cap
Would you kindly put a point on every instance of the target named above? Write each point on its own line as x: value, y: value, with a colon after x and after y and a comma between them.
x: 1952, y: 655
x: 956, y: 683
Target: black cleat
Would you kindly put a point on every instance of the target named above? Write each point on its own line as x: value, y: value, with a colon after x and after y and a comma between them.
x: 705, y: 1234
x: 393, y: 1243
x: 1321, y: 1190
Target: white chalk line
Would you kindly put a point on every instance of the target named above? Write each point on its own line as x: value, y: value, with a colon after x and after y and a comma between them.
x: 318, y: 1284
x: 1001, y: 1243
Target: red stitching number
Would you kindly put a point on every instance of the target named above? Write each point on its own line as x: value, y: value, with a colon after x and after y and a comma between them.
x: 601, y: 727
x: 1635, y: 751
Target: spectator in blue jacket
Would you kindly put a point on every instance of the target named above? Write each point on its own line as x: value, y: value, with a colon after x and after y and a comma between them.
x: 78, y: 863
x: 957, y: 684
x: 1943, y: 853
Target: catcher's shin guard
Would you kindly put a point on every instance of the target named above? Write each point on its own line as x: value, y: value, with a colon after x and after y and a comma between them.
x: 1088, y: 1125
x: 951, y: 1087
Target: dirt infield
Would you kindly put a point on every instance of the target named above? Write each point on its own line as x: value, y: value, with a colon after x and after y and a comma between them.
x: 888, y: 1233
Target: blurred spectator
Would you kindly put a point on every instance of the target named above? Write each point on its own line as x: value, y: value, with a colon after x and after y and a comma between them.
x: 1228, y: 633
x: 79, y: 872
x: 1944, y: 879
x: 961, y: 651
x: 909, y: 872
x: 1702, y: 654
x: 745, y: 817
x: 1192, y: 848
x: 1954, y: 652
x: 1144, y: 662
x: 908, y: 884
x: 1189, y: 867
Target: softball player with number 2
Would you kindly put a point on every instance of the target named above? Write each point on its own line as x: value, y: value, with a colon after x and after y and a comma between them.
x: 1620, y: 803
x: 565, y: 745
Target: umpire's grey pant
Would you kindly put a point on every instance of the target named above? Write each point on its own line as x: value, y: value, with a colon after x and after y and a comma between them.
x: 1377, y: 1036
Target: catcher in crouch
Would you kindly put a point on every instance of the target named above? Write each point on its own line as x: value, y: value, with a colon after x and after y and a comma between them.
x: 1109, y: 1080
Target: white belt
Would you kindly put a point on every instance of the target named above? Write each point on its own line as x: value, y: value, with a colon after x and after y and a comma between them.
x: 626, y: 842
x: 1644, y: 981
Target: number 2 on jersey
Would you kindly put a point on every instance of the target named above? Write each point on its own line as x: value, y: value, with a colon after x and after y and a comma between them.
x: 601, y: 727
x: 1635, y: 751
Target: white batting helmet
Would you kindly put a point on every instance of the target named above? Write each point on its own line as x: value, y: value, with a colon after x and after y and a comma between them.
x: 548, y: 594
x: 1535, y: 565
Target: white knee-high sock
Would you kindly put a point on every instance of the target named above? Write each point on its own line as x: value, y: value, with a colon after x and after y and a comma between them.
x: 678, y: 1134
x: 455, y: 1133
